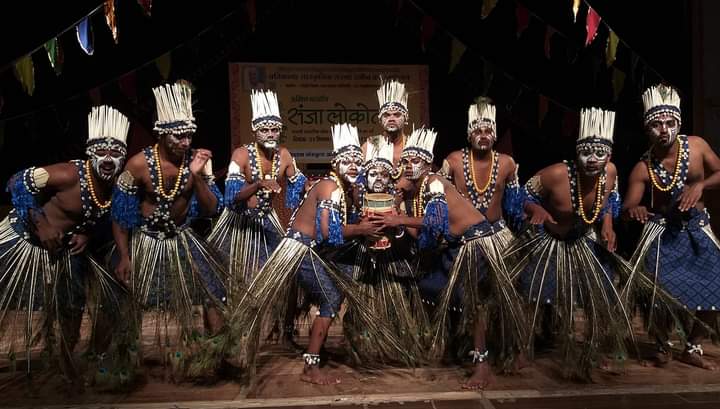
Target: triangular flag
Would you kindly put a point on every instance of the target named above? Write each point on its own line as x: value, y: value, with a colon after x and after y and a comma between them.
x: 25, y: 73
x: 549, y: 31
x: 146, y: 6
x: 427, y: 29
x: 251, y: 9
x: 575, y: 9
x: 55, y: 55
x: 457, y: 49
x: 618, y: 80
x: 85, y: 36
x: 612, y: 45
x: 504, y: 144
x: 95, y: 96
x: 487, y: 7
x: 591, y: 25
x: 543, y: 106
x: 128, y: 86
x: 111, y: 18
x: 522, y: 19
x: 488, y: 75
x: 164, y: 63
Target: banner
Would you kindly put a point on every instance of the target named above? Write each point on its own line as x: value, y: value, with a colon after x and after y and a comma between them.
x: 313, y: 97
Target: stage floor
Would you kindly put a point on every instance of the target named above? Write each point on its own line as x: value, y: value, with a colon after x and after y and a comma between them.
x: 277, y: 385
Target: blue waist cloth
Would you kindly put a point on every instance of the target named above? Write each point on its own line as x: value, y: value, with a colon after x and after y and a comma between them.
x: 688, y: 265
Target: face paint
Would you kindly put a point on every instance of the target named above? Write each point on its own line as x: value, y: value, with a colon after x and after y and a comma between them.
x: 482, y: 138
x: 178, y: 144
x: 392, y: 121
x: 107, y: 163
x: 268, y: 137
x: 349, y: 168
x: 414, y: 167
x: 593, y: 158
x: 378, y: 179
x: 663, y: 130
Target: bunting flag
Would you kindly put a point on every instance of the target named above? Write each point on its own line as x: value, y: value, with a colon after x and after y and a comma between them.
x: 522, y: 19
x: 251, y: 9
x: 95, y: 96
x: 549, y: 32
x: 457, y: 50
x: 612, y: 44
x: 128, y: 86
x: 427, y: 30
x: 164, y: 64
x: 55, y: 55
x: 487, y: 7
x: 591, y: 25
x: 488, y: 75
x: 543, y: 106
x: 111, y: 18
x: 504, y: 144
x: 146, y: 6
x: 85, y: 36
x: 618, y: 81
x: 25, y: 73
x: 575, y: 9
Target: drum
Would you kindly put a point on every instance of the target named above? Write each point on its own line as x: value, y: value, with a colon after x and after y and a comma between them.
x: 378, y: 203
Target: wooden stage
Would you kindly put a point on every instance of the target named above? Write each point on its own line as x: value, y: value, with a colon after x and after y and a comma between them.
x: 277, y: 385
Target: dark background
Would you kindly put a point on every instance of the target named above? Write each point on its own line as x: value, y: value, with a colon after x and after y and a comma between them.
x: 50, y: 126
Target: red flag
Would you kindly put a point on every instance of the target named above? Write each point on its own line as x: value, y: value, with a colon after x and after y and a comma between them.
x: 591, y: 25
x: 427, y: 29
x: 549, y: 31
x: 522, y: 17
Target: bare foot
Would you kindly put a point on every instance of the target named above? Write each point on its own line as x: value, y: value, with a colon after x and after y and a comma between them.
x: 481, y: 378
x: 697, y: 360
x: 316, y: 376
x: 662, y: 358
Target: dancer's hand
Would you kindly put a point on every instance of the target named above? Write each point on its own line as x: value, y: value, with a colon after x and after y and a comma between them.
x: 540, y: 216
x: 690, y: 196
x: 123, y: 270
x: 199, y: 159
x: 385, y: 220
x: 50, y: 236
x: 609, y: 237
x: 369, y: 229
x: 78, y: 243
x: 270, y: 184
x: 639, y: 213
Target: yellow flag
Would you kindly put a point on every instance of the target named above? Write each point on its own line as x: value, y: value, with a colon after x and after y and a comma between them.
x: 618, y: 80
x: 457, y: 49
x: 612, y: 45
x: 25, y: 73
x: 164, y: 63
x: 487, y: 7
x: 576, y: 8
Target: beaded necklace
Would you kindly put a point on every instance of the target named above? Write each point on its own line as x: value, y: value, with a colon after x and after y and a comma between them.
x: 577, y: 196
x: 480, y: 197
x: 418, y: 208
x: 160, y: 188
x: 657, y: 171
x: 91, y: 188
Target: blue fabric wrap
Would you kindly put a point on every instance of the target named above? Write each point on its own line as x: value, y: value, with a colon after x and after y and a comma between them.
x: 125, y: 209
x: 513, y: 205
x: 294, y: 190
x: 195, y: 210
x: 22, y: 199
x: 335, y: 233
x: 435, y: 223
x: 688, y: 262
x: 233, y: 185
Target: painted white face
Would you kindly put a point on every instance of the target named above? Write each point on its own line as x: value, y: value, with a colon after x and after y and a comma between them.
x: 178, y: 144
x: 107, y: 163
x: 414, y: 167
x: 392, y: 121
x: 663, y: 130
x: 268, y: 137
x: 593, y: 158
x: 349, y: 168
x: 482, y: 138
x: 378, y: 179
